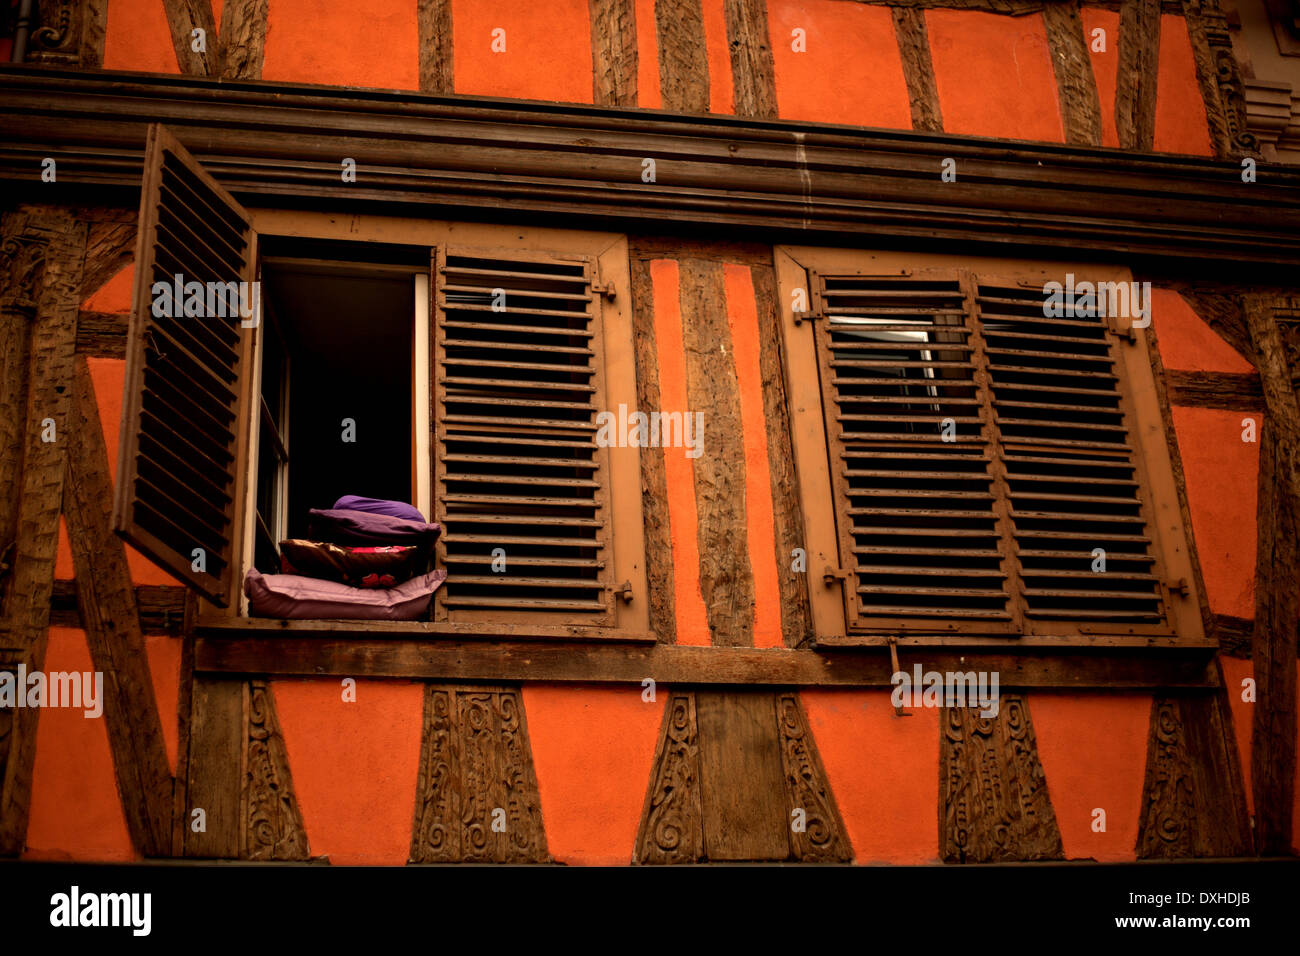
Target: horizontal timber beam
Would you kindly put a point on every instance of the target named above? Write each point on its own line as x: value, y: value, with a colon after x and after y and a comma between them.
x: 363, y: 655
x: 770, y: 180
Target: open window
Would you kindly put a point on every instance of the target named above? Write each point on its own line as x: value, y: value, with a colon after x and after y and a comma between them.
x: 459, y: 368
x: 974, y: 467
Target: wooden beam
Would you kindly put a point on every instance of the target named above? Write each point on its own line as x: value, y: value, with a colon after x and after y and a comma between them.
x: 713, y: 391
x: 254, y: 648
x: 108, y: 612
x: 102, y: 334
x: 766, y: 179
x: 437, y: 74
x: 1232, y: 390
x: 45, y: 247
x: 160, y: 608
x: 753, y: 72
x: 243, y: 38
x: 216, y: 770
x: 93, y: 32
x: 1076, y: 86
x: 184, y: 17
x: 1139, y: 61
x: 1220, y: 79
x: 1277, y: 601
x: 1234, y: 635
x: 683, y: 58
x: 1222, y: 312
x: 613, y: 52
x: 110, y: 248
x: 272, y: 821
x: 918, y: 69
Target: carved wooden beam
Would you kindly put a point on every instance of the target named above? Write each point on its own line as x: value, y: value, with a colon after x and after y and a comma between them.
x: 41, y: 254
x: 108, y: 613
x: 1219, y: 75
x: 766, y: 179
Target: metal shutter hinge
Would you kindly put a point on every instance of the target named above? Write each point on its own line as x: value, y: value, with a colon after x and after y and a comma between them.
x: 831, y: 574
x: 625, y: 592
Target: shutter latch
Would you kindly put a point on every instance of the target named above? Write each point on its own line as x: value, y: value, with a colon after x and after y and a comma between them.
x: 801, y: 317
x: 625, y: 592
x: 607, y: 290
x: 831, y: 574
x: 1180, y: 587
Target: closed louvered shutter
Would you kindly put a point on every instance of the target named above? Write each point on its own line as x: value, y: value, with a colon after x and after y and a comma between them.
x: 521, y: 484
x: 181, y: 458
x: 979, y: 454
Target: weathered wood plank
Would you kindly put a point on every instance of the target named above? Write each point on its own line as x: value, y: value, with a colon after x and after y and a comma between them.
x: 613, y: 52
x: 654, y: 479
x: 183, y: 18
x: 243, y: 38
x: 752, y: 69
x: 436, y: 56
x: 1234, y: 635
x: 110, y: 247
x: 683, y: 59
x: 796, y: 615
x: 918, y: 68
x: 993, y: 801
x: 365, y: 654
x: 217, y: 752
x: 742, y: 792
x: 1076, y: 86
x: 1193, y: 804
x: 107, y: 604
x: 160, y: 608
x: 102, y: 334
x: 1231, y: 390
x: 45, y: 248
x: 712, y: 390
x: 1139, y: 55
x: 1277, y: 603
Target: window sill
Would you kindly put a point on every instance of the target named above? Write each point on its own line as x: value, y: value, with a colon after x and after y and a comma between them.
x: 267, y: 627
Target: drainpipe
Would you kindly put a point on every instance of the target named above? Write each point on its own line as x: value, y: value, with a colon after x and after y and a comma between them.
x: 21, y: 29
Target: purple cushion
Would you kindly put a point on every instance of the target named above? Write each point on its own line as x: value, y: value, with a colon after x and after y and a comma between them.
x: 379, y: 506
x: 293, y: 597
x: 347, y: 527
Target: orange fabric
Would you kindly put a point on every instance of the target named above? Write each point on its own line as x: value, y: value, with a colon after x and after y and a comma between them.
x: 721, y: 85
x: 1235, y: 671
x: 592, y: 749
x: 374, y: 45
x: 137, y: 37
x: 164, y: 654
x: 354, y: 765
x: 994, y: 75
x: 742, y: 316
x: 851, y: 71
x: 883, y: 770
x: 1186, y: 342
x: 76, y: 813
x: 1105, y: 66
x: 647, y: 56
x: 1222, y: 476
x: 547, y: 49
x: 683, y: 521
x: 1181, y: 124
x: 1093, y: 750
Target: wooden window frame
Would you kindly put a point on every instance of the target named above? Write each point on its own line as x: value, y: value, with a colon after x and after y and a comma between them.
x: 798, y: 267
x: 608, y: 254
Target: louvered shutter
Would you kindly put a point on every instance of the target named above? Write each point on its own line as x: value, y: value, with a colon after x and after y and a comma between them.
x: 521, y: 484
x: 181, y: 458
x: 979, y: 454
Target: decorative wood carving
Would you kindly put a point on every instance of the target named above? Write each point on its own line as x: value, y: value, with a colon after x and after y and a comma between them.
x: 918, y: 68
x: 1220, y: 78
x: 993, y: 800
x: 69, y: 33
x: 822, y: 840
x: 672, y: 829
x: 1193, y: 804
x: 273, y: 824
x: 476, y: 798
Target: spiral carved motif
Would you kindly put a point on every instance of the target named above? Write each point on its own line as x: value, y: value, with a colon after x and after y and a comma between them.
x: 274, y: 825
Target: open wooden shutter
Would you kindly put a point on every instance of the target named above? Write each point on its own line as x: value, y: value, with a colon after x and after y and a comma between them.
x: 181, y: 463
x: 979, y: 455
x: 519, y: 379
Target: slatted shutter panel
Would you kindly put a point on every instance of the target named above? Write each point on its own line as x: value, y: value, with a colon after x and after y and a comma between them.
x: 919, y: 520
x: 520, y: 478
x: 1071, y: 465
x: 181, y: 458
x: 980, y: 453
